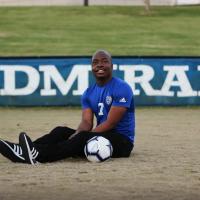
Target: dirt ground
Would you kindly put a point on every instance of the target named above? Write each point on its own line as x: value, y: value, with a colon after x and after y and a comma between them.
x: 165, y: 163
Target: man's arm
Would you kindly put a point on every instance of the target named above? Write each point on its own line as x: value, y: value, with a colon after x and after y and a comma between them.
x: 114, y: 116
x: 86, y: 123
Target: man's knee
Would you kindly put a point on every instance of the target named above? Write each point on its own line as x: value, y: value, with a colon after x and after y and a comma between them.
x: 123, y: 151
x: 62, y: 129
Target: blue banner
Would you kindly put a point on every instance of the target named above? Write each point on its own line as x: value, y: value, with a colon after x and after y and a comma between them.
x: 54, y: 81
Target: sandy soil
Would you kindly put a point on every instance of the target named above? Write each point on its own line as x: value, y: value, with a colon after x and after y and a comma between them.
x: 164, y: 165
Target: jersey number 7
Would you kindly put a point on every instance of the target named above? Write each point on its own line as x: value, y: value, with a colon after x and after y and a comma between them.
x: 101, y: 106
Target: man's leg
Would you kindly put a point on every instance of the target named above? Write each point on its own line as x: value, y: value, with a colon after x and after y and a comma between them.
x: 14, y: 152
x: 56, y: 135
x: 73, y: 147
x: 122, y: 146
x: 49, y: 152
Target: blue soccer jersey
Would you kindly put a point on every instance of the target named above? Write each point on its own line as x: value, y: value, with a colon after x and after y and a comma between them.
x: 115, y: 93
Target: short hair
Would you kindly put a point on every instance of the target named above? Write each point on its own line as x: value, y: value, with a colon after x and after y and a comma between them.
x: 102, y: 51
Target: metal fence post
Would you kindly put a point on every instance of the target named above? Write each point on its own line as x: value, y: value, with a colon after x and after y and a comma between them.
x: 86, y: 2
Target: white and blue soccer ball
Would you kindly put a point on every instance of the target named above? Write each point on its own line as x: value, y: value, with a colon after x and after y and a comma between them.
x: 98, y: 149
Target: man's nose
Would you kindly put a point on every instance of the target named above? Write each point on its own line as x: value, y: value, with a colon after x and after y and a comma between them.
x: 100, y: 64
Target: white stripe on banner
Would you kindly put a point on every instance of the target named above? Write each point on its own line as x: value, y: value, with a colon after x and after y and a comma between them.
x: 187, y: 2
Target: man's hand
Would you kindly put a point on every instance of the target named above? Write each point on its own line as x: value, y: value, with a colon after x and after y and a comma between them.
x: 86, y: 122
x: 115, y: 115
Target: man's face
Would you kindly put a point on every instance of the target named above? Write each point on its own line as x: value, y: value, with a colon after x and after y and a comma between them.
x: 102, y: 66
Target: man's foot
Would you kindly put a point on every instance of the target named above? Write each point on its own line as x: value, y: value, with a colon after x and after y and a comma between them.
x: 11, y: 151
x: 29, y: 151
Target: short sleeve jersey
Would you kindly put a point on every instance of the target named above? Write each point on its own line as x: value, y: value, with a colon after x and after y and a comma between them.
x: 115, y: 93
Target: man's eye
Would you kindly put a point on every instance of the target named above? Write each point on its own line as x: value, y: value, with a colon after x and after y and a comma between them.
x: 105, y: 61
x: 94, y: 62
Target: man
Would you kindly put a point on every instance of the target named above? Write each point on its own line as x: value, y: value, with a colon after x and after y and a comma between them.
x: 110, y: 99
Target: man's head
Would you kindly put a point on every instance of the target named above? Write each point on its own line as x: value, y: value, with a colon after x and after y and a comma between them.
x: 102, y: 66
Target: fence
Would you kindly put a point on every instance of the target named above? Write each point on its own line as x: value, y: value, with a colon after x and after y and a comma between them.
x: 93, y: 2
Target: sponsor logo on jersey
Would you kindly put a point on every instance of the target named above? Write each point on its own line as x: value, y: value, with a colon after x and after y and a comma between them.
x: 108, y: 100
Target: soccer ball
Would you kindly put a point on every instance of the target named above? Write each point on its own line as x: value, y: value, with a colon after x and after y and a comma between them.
x: 98, y: 149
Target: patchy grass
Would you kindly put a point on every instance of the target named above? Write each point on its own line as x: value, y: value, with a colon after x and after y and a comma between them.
x: 42, y: 31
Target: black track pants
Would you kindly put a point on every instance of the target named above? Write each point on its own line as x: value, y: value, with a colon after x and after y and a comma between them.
x: 56, y: 145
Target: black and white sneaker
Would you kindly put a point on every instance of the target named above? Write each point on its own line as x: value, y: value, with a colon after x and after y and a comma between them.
x: 11, y: 151
x: 29, y: 151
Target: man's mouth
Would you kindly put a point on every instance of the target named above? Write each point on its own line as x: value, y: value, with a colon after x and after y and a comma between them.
x: 100, y: 71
